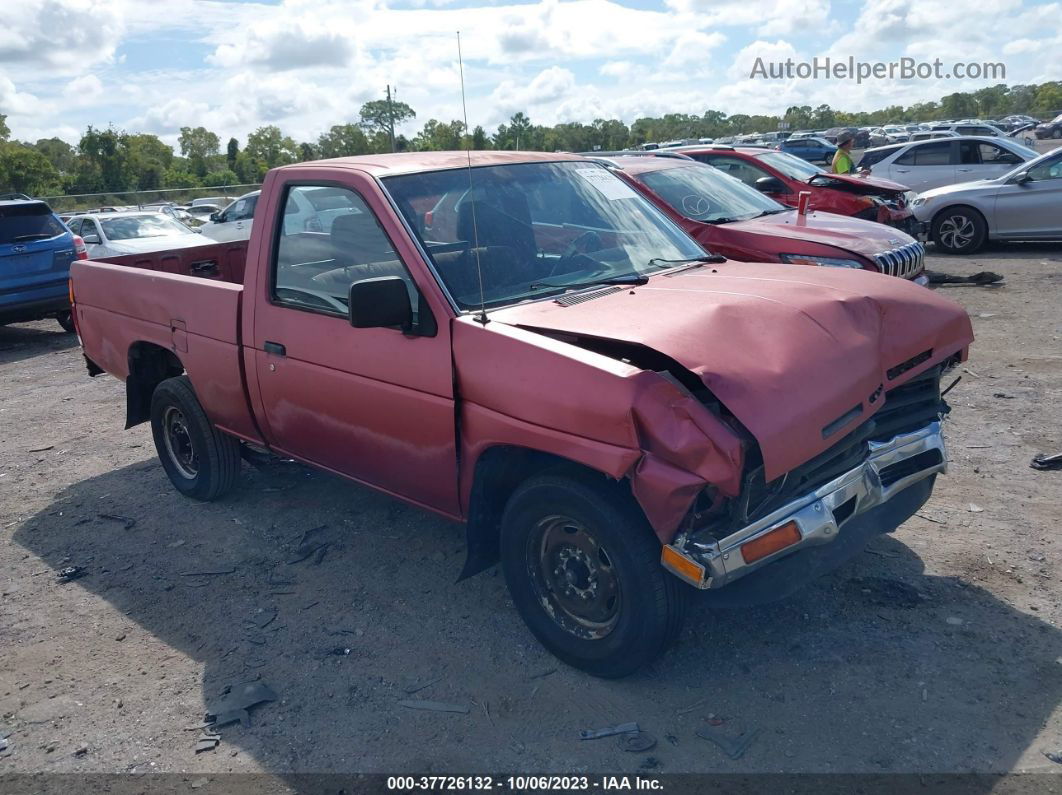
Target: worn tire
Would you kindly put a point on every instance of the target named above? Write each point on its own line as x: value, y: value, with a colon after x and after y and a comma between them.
x: 201, y: 461
x: 650, y: 605
x: 66, y: 320
x: 959, y: 230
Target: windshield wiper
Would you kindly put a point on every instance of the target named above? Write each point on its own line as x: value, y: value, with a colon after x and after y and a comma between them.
x: 35, y: 236
x: 630, y: 279
x: 719, y: 220
x: 773, y: 212
x: 684, y: 260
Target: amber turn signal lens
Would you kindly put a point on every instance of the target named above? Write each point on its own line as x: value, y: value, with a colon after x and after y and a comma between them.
x: 677, y: 563
x: 769, y: 543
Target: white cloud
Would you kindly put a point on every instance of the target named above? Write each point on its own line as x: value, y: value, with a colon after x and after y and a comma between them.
x: 617, y: 69
x: 83, y: 89
x: 63, y: 35
x: 692, y: 51
x: 548, y: 86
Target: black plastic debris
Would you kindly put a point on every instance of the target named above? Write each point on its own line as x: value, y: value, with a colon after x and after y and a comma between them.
x: 237, y: 700
x: 209, y: 572
x: 733, y: 745
x: 308, y: 546
x: 1047, y: 462
x: 71, y: 573
x: 981, y: 278
x: 608, y: 731
x: 207, y: 741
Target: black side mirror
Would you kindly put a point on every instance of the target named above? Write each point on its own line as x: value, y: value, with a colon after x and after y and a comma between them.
x: 382, y: 302
x: 215, y: 217
x: 770, y: 185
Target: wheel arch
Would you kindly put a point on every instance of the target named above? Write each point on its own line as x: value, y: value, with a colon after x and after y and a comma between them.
x: 149, y: 365
x: 498, y: 472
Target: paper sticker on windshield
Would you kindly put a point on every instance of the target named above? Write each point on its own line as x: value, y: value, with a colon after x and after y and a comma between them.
x: 611, y: 186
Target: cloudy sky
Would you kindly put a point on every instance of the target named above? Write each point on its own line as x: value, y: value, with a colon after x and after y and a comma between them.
x: 157, y: 65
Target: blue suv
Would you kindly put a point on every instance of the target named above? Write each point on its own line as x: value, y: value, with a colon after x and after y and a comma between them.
x: 36, y: 250
x: 814, y: 150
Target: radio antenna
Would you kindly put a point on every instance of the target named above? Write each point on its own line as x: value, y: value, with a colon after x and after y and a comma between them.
x: 482, y: 317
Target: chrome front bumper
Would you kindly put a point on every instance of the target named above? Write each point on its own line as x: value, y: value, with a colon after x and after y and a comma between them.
x: 889, y: 468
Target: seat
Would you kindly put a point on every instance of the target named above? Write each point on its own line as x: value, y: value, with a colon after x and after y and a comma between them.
x: 357, y: 239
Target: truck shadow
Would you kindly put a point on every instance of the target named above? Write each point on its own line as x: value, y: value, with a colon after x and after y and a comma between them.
x: 879, y: 667
x: 26, y: 340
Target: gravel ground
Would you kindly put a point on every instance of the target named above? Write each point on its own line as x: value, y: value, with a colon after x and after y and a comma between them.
x: 938, y: 650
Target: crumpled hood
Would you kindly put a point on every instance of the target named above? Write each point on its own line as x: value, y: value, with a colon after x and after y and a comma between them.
x: 853, y: 234
x: 868, y: 186
x: 788, y: 351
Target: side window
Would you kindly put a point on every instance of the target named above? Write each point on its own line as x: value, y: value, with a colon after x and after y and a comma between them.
x: 969, y: 153
x: 88, y: 227
x: 74, y: 226
x: 997, y: 155
x: 937, y: 153
x: 243, y: 210
x: 314, y: 270
x: 1049, y: 169
x: 736, y: 167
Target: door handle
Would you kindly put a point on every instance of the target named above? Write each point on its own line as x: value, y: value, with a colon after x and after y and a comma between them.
x: 275, y: 348
x: 902, y: 170
x: 964, y: 170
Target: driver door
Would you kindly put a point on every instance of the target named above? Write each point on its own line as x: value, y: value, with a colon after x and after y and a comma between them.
x: 374, y: 404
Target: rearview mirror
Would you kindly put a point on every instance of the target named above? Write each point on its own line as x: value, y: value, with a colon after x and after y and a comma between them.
x: 770, y: 185
x: 90, y: 239
x: 382, y: 302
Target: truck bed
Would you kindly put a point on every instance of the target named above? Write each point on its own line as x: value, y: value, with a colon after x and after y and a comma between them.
x: 131, y: 306
x: 222, y: 261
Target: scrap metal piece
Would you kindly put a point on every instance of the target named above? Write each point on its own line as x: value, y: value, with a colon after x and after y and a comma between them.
x: 435, y: 706
x: 636, y: 742
x: 1045, y: 462
x: 129, y: 522
x: 71, y: 573
x: 236, y: 716
x: 608, y: 731
x: 733, y: 746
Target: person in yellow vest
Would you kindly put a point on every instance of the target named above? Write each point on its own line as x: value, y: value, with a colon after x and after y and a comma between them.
x: 842, y: 158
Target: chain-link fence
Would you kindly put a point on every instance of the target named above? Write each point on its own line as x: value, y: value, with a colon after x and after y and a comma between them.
x: 139, y: 198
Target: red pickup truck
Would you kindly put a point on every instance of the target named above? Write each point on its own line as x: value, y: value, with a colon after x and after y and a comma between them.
x: 614, y: 413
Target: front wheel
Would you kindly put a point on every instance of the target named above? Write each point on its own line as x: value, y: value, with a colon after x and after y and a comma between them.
x: 583, y: 568
x: 66, y: 320
x: 201, y: 461
x: 959, y: 230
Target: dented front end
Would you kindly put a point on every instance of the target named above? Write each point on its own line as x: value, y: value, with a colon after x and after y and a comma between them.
x: 755, y: 410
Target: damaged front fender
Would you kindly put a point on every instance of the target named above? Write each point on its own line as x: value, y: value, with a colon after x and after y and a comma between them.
x: 524, y: 390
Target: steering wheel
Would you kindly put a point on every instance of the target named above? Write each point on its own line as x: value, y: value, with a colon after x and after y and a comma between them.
x: 579, y: 247
x: 319, y: 297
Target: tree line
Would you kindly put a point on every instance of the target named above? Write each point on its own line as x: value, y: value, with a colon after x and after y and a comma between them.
x: 115, y: 161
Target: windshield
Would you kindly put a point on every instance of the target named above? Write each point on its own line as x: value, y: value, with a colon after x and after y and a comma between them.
x: 703, y: 193
x: 561, y: 223
x: 793, y: 167
x: 129, y: 227
x: 1057, y: 119
x: 1045, y: 163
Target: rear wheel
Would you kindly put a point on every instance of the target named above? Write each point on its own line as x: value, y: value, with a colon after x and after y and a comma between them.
x: 66, y: 320
x: 959, y: 230
x: 583, y: 568
x: 201, y: 461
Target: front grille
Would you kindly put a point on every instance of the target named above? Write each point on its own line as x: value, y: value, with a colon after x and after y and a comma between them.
x: 904, y: 262
x: 907, y: 408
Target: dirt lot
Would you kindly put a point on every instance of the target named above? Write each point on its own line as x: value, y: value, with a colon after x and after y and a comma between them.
x: 937, y: 650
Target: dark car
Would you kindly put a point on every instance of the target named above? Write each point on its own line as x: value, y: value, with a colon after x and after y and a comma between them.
x: 36, y: 250
x: 862, y: 137
x: 812, y: 149
x: 1050, y: 129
